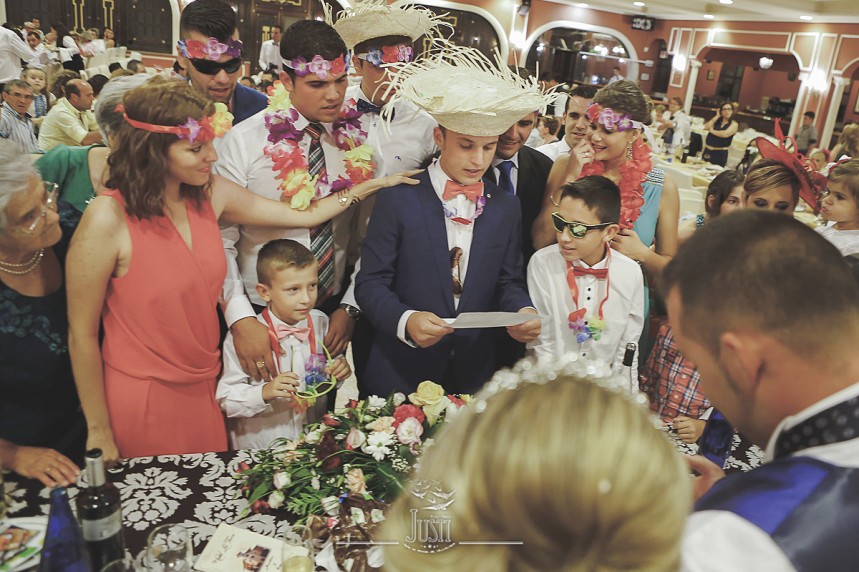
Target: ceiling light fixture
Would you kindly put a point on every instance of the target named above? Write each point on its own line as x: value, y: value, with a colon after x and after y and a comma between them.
x: 582, y: 5
x: 765, y: 63
x: 708, y: 16
x: 806, y: 18
x: 639, y: 4
x: 726, y: 2
x: 679, y: 62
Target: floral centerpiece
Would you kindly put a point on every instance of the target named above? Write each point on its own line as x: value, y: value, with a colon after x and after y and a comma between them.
x: 366, y: 449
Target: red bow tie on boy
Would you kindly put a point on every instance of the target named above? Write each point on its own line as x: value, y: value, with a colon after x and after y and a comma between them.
x: 284, y: 330
x: 471, y: 192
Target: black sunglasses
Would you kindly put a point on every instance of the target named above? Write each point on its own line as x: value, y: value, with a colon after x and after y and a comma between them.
x: 577, y: 229
x: 209, y: 67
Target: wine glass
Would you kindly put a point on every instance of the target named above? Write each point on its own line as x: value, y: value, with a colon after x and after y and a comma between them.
x: 298, y: 555
x: 122, y: 565
x: 169, y: 548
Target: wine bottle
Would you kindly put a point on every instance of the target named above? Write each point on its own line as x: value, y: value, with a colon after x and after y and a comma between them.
x: 100, y: 514
x: 64, y: 549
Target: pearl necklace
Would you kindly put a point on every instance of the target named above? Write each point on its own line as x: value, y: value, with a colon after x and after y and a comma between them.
x: 24, y: 267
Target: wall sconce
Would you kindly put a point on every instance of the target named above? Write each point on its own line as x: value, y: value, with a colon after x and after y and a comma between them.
x: 765, y: 63
x: 524, y: 8
x: 679, y: 62
x: 818, y: 81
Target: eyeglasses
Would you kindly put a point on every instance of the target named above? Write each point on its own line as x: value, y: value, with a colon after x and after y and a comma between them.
x: 208, y: 67
x: 455, y: 272
x: 577, y: 229
x: 51, y: 190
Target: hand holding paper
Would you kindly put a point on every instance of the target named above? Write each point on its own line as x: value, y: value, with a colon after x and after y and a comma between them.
x: 526, y: 331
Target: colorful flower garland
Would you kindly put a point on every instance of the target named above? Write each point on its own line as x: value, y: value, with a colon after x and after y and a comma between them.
x: 318, y: 65
x: 289, y: 161
x: 633, y: 171
x: 211, y: 49
x: 389, y: 55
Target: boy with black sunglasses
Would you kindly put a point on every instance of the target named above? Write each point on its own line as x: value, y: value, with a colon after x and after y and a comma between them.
x: 211, y: 55
x: 593, y: 295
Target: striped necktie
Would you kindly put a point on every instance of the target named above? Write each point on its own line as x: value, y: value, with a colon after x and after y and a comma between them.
x: 321, y: 236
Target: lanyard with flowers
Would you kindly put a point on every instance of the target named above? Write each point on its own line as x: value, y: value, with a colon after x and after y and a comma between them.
x: 317, y: 382
x: 290, y: 164
x: 592, y: 330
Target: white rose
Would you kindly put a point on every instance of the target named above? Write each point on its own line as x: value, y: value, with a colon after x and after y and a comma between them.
x: 281, y: 480
x: 275, y: 499
x: 451, y: 411
x: 375, y: 402
x: 314, y: 436
x: 355, y: 438
x: 399, y: 399
x: 433, y: 410
x: 331, y: 505
x: 410, y: 431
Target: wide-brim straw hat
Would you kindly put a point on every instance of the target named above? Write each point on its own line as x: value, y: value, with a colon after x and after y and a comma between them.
x: 467, y: 93
x: 376, y: 19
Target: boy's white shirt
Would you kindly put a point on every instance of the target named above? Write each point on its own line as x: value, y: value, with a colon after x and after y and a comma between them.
x: 847, y: 241
x: 623, y: 312
x: 252, y: 423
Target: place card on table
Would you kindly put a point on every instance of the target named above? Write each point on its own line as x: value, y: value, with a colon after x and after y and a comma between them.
x: 232, y: 548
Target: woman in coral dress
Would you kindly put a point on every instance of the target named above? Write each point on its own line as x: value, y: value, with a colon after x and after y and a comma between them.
x: 148, y: 262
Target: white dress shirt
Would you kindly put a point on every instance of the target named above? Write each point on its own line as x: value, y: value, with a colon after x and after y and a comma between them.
x: 252, y: 423
x: 847, y: 241
x: 12, y: 50
x: 242, y: 160
x: 716, y: 540
x: 535, y: 139
x: 555, y: 150
x: 457, y: 234
x: 405, y: 144
x: 514, y: 172
x: 623, y: 312
x: 269, y: 55
x: 42, y: 58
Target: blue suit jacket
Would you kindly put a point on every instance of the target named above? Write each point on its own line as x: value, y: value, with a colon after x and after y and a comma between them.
x: 247, y: 102
x: 405, y: 265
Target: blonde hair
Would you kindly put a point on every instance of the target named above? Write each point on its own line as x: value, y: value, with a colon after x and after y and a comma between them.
x: 765, y: 174
x: 590, y: 485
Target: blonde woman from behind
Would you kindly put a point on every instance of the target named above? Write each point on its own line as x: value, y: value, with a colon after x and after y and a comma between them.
x: 573, y: 474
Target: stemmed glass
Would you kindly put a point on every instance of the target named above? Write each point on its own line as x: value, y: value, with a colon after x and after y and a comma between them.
x: 169, y: 548
x: 298, y: 556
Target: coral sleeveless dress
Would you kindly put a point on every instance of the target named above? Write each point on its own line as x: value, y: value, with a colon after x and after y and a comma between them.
x: 161, y: 334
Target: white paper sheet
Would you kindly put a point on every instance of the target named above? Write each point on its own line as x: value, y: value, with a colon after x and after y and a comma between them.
x: 490, y: 319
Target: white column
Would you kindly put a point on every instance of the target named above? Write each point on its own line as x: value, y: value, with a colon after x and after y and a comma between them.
x: 796, y: 119
x: 832, y: 113
x: 691, y: 81
x: 3, y: 11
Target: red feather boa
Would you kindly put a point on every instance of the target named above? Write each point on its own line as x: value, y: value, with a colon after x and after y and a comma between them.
x: 633, y: 173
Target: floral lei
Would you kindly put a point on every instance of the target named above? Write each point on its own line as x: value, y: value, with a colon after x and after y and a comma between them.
x: 633, y: 172
x: 211, y: 49
x: 388, y: 55
x: 290, y: 164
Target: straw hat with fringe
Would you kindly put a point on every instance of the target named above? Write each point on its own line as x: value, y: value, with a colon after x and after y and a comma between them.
x: 370, y: 19
x: 465, y: 92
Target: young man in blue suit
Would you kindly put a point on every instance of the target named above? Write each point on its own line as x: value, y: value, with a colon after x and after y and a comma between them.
x: 450, y: 244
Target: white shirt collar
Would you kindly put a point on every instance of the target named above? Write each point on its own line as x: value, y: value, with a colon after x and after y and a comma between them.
x: 277, y: 321
x: 302, y: 122
x: 514, y: 159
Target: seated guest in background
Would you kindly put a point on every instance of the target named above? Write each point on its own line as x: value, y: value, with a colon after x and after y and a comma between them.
x: 424, y: 259
x: 604, y: 490
x: 615, y: 75
x: 15, y: 123
x: 81, y: 171
x: 42, y: 99
x: 70, y: 53
x: 150, y: 388
x: 720, y: 132
x: 724, y: 195
x: 806, y: 138
x: 260, y: 412
x: 777, y: 357
x: 42, y: 430
x: 59, y: 81
x: 593, y: 296
x: 269, y: 51
x: 820, y: 158
x: 97, y: 82
x: 848, y: 143
x: 43, y: 56
x: 576, y: 122
x: 215, y: 72
x: 135, y: 66
x: 70, y: 121
x: 841, y: 208
x: 548, y: 128
x: 109, y: 38
x: 248, y: 81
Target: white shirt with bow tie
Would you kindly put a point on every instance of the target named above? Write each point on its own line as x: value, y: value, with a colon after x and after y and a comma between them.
x: 252, y: 423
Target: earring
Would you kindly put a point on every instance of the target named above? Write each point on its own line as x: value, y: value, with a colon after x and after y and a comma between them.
x: 629, y: 151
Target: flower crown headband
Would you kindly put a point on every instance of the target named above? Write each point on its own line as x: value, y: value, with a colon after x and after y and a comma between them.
x: 389, y: 55
x: 194, y: 131
x: 212, y: 49
x: 318, y: 65
x: 611, y: 120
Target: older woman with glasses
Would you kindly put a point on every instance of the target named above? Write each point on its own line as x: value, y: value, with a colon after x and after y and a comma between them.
x: 42, y: 429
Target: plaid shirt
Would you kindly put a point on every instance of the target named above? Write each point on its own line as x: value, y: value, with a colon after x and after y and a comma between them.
x: 670, y: 380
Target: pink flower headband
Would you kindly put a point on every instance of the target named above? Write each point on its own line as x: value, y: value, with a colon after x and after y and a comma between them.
x: 610, y: 120
x: 194, y: 131
x: 318, y: 65
x: 389, y: 55
x: 212, y: 49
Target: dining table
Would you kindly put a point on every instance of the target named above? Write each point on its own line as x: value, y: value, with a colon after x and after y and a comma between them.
x: 200, y: 491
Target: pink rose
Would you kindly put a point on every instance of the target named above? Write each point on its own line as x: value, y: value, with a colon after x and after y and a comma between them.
x: 381, y: 424
x: 404, y: 412
x: 355, y: 438
x: 409, y: 431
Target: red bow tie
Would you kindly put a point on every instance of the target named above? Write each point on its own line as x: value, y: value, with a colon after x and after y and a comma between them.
x: 471, y: 192
x: 599, y: 273
x: 300, y: 334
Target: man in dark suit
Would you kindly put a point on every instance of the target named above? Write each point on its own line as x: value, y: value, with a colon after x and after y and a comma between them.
x: 521, y: 171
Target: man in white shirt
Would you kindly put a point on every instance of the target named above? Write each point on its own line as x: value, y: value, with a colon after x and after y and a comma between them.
x: 773, y: 330
x: 269, y: 51
x: 71, y: 121
x: 43, y: 56
x: 13, y: 49
x: 575, y: 122
x: 317, y: 103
